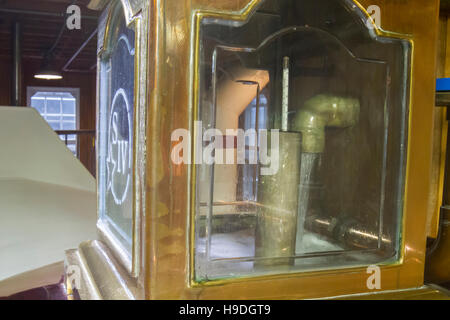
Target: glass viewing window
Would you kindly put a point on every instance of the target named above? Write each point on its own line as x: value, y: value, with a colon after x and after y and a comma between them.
x: 116, y: 131
x: 306, y: 82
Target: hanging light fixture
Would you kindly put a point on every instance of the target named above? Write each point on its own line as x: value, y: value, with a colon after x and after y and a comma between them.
x: 48, y: 72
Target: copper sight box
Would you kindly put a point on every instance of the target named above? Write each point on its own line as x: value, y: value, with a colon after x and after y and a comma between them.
x: 343, y: 104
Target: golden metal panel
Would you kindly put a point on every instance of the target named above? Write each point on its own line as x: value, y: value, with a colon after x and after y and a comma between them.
x: 169, y: 217
x: 423, y: 293
x: 164, y: 213
x: 101, y: 276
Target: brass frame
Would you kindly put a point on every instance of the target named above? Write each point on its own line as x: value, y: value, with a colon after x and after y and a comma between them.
x: 173, y: 232
x: 168, y: 81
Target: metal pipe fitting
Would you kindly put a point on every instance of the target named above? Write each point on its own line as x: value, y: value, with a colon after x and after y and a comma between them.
x: 324, y: 111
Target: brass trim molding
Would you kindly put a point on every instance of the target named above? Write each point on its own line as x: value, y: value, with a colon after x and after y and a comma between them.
x: 101, y: 276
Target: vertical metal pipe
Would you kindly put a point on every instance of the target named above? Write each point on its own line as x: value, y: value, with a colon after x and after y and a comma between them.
x: 16, y: 87
x: 285, y: 102
x: 256, y: 172
x: 276, y: 225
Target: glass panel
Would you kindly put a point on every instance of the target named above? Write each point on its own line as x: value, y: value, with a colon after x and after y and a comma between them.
x: 38, y: 104
x: 317, y: 181
x: 116, y: 132
x: 68, y: 125
x: 68, y: 106
x: 41, y: 95
x: 53, y: 106
x: 73, y: 148
x: 55, y: 125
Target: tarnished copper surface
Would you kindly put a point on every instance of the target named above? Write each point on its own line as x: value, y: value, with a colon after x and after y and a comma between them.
x: 166, y: 228
x: 173, y: 104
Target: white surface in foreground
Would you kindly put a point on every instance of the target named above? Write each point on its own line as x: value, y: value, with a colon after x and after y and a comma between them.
x: 30, y: 149
x: 39, y: 221
x: 47, y: 197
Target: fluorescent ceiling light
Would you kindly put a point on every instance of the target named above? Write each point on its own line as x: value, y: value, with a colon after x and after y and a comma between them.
x: 48, y: 74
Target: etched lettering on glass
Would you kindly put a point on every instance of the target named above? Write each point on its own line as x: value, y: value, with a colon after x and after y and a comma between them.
x: 117, y: 131
x: 119, y: 161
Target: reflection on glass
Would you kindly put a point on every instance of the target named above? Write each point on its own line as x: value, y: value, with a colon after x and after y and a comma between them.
x: 313, y: 72
x: 116, y: 131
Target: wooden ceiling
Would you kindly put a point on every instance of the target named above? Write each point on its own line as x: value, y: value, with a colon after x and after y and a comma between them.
x: 41, y: 22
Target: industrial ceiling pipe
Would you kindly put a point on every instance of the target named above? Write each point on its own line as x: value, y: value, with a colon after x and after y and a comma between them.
x: 16, y: 87
x: 75, y: 55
